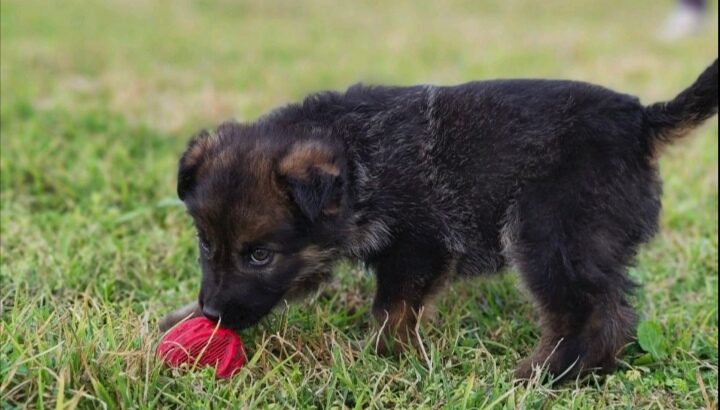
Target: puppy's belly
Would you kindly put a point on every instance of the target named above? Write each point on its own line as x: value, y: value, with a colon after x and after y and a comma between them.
x: 479, y: 262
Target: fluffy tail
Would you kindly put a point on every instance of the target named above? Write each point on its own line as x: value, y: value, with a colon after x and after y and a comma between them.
x: 674, y: 119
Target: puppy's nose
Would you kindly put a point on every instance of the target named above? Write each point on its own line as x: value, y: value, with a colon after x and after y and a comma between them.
x: 210, y: 312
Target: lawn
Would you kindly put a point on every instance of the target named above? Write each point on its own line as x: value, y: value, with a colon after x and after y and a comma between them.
x: 98, y: 100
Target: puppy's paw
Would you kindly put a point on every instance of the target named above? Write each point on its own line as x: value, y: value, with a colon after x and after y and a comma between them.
x: 188, y: 311
x: 525, y: 370
x: 396, y: 329
x: 565, y: 359
x: 392, y: 343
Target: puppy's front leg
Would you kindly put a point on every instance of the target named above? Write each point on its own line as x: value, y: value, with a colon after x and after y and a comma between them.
x: 406, y: 278
x: 188, y: 311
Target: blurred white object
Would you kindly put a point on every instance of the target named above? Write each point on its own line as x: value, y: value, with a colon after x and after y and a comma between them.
x: 685, y: 21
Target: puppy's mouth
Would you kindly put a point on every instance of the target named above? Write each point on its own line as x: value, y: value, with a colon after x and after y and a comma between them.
x: 240, y: 324
x: 241, y: 320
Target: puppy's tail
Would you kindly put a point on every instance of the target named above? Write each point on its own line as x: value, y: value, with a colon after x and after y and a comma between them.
x: 674, y: 119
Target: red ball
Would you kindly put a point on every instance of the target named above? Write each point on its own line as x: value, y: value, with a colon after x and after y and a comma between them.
x: 200, y: 342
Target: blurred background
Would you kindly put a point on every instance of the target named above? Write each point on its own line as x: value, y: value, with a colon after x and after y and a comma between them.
x: 98, y: 99
x: 177, y: 65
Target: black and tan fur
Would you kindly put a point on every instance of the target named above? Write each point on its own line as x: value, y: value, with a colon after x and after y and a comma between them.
x: 558, y: 179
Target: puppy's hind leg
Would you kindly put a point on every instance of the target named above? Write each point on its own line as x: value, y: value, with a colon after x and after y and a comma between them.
x: 188, y: 311
x: 573, y: 255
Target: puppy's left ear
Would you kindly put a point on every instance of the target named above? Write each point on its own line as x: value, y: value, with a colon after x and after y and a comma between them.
x: 192, y: 159
x: 313, y: 174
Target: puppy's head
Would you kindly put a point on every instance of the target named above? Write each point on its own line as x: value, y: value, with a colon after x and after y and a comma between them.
x: 269, y: 207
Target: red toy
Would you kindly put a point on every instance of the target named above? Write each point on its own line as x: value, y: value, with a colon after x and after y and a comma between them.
x: 200, y: 342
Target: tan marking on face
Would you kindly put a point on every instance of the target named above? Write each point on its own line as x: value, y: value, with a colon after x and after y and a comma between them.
x: 260, y: 207
x: 224, y: 158
x: 317, y: 268
x: 268, y: 205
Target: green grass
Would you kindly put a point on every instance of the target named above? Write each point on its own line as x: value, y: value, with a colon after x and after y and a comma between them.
x: 99, y: 97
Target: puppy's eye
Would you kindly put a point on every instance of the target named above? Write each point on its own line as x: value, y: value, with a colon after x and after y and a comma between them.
x: 260, y: 257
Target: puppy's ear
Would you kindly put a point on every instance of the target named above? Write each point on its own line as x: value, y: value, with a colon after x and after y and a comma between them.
x: 191, y: 161
x: 313, y: 174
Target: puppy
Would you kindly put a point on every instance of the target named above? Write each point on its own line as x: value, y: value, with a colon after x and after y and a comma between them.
x: 558, y: 179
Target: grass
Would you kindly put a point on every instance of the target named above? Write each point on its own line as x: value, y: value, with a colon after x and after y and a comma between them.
x: 99, y: 97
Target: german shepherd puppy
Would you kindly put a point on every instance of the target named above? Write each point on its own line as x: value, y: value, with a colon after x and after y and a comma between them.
x: 557, y: 179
